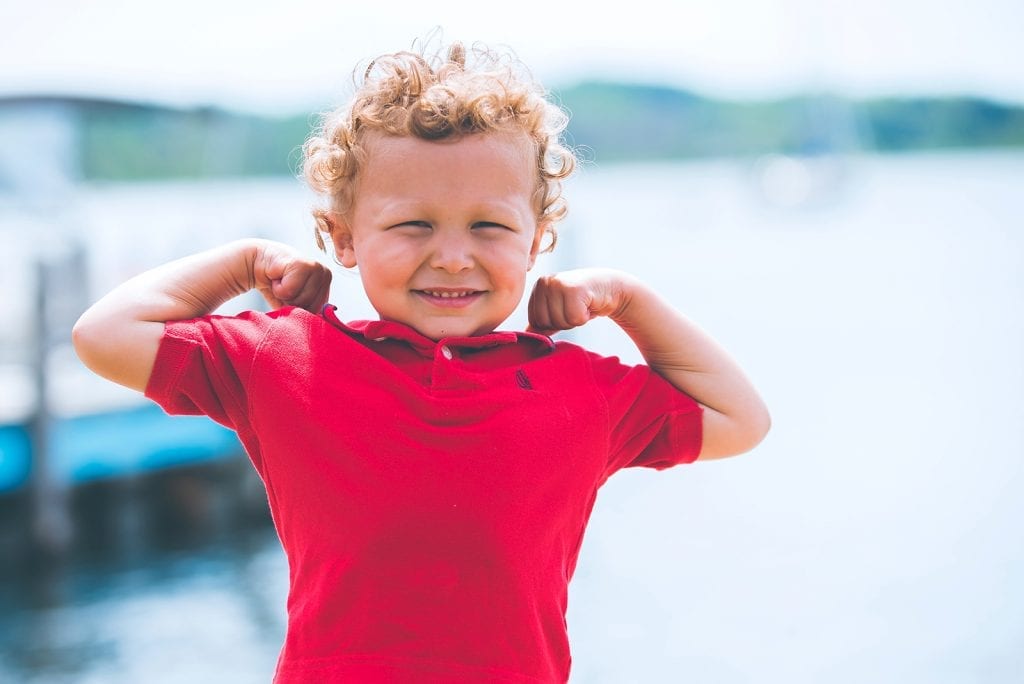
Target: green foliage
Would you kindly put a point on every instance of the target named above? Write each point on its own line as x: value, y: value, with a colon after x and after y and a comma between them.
x: 622, y: 121
x: 125, y: 142
x: 612, y: 121
x: 915, y: 124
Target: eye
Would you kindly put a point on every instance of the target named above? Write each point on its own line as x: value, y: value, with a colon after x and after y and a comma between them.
x: 412, y: 225
x: 490, y: 224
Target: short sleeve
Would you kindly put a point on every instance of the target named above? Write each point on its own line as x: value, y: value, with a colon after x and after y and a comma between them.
x: 651, y: 423
x: 203, y: 366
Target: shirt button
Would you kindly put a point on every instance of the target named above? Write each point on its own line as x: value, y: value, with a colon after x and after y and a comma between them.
x: 446, y: 352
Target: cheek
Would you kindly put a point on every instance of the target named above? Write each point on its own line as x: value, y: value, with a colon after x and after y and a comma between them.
x: 389, y: 259
x: 512, y: 269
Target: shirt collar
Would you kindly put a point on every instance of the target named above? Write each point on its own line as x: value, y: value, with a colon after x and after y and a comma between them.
x: 378, y: 331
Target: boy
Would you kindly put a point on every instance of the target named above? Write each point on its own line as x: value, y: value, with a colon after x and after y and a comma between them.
x: 430, y: 478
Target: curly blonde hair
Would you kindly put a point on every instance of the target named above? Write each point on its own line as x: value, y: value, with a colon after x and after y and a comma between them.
x: 436, y: 98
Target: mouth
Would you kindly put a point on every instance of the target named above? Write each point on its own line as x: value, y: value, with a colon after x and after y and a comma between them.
x: 449, y: 297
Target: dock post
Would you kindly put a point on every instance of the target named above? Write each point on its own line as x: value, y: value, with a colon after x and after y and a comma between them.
x: 51, y: 530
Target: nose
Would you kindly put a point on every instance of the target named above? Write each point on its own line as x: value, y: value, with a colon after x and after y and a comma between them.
x: 452, y: 251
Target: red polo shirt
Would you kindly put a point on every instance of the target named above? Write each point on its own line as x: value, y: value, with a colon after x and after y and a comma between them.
x: 431, y: 497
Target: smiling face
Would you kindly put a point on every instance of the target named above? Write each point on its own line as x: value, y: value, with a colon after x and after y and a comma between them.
x: 443, y: 232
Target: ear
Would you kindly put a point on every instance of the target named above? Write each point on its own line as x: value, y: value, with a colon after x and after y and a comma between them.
x: 341, y: 238
x: 542, y: 229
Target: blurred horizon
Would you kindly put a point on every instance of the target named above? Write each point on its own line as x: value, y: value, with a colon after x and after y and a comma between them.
x: 582, y: 80
x: 80, y: 139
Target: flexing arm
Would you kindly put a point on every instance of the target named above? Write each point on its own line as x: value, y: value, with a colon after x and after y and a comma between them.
x: 119, y: 335
x: 735, y: 417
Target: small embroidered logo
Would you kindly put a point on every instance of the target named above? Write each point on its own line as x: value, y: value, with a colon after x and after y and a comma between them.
x: 522, y: 380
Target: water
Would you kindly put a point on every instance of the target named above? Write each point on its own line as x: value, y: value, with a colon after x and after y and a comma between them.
x: 874, y: 536
x: 209, y: 614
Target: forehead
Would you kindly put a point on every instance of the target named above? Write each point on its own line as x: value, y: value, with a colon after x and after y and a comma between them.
x: 485, y: 162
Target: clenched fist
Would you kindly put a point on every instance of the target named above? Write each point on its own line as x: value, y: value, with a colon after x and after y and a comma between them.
x: 569, y: 299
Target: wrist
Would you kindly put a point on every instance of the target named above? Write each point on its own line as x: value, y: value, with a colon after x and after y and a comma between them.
x: 247, y: 261
x: 626, y: 291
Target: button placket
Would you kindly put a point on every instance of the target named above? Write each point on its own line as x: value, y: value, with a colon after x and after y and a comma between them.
x: 445, y: 374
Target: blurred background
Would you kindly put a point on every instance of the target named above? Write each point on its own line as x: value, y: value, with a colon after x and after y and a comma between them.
x: 834, y: 190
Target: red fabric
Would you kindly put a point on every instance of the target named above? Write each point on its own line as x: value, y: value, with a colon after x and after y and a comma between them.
x: 431, y: 509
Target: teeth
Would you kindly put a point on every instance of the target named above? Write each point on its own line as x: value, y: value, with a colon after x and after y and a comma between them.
x: 447, y: 295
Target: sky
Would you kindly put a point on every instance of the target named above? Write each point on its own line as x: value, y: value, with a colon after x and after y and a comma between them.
x: 288, y: 57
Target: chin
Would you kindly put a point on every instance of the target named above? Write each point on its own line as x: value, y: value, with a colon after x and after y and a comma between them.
x: 440, y: 332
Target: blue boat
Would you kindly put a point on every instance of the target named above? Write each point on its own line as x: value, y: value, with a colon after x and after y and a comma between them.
x: 114, y: 444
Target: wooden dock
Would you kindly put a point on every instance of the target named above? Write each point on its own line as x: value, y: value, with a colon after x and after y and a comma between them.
x: 112, y: 444
x: 65, y: 433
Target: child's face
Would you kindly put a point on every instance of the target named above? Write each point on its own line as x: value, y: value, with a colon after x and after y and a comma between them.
x: 443, y: 232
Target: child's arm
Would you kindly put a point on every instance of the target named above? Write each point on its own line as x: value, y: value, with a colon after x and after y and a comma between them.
x: 735, y: 417
x: 119, y: 335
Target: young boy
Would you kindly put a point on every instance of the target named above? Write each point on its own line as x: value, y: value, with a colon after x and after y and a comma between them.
x: 430, y: 478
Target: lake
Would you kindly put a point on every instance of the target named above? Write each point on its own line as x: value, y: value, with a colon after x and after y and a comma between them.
x: 874, y: 536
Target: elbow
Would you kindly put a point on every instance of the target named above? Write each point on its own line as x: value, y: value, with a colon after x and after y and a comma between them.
x: 759, y: 427
x: 85, y: 340
x: 119, y: 349
x: 80, y: 336
x: 756, y: 425
x: 91, y: 338
x: 726, y: 436
x: 750, y: 435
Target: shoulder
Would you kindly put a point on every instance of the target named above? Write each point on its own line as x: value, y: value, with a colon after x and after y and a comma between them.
x: 288, y: 316
x: 629, y: 382
x: 604, y: 369
x: 242, y: 332
x: 579, y: 369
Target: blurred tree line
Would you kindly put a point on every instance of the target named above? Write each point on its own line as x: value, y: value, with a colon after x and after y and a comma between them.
x: 123, y: 141
x: 622, y: 122
x: 610, y: 122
